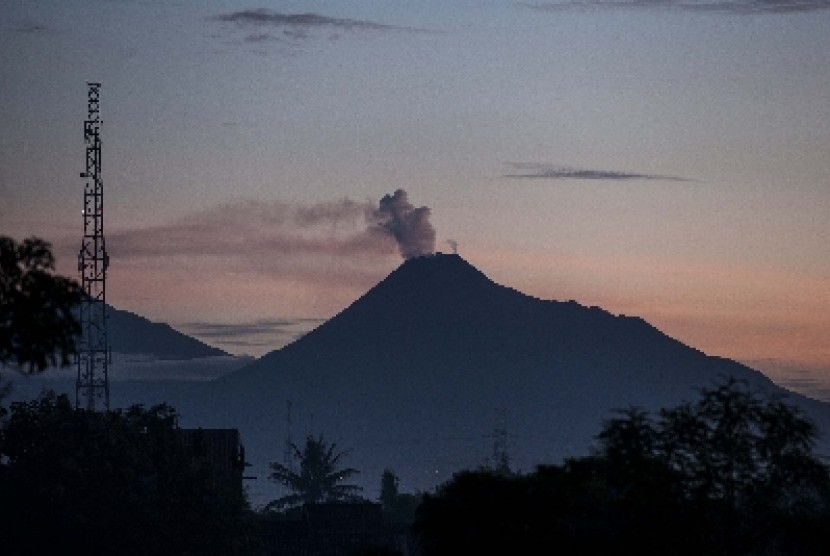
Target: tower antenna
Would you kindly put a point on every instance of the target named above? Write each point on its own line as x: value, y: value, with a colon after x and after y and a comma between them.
x: 92, y: 385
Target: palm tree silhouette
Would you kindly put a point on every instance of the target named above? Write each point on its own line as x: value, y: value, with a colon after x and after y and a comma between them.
x: 318, y: 480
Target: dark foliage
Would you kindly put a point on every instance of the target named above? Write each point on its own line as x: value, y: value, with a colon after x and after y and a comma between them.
x: 74, y: 481
x: 398, y: 507
x: 37, y: 325
x: 733, y: 473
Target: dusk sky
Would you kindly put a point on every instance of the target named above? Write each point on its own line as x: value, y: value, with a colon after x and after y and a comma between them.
x: 660, y: 158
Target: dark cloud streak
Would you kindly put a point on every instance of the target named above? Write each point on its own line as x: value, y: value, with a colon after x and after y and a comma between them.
x: 263, y: 25
x: 534, y: 170
x: 737, y: 7
x: 264, y: 16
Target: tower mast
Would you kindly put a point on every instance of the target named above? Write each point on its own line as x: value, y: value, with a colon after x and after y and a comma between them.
x: 92, y: 385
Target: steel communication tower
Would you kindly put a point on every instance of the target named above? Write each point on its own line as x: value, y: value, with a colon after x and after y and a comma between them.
x: 92, y: 385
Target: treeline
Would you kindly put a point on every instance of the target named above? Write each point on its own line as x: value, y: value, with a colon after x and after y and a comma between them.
x: 79, y: 482
x: 733, y: 473
x: 122, y: 482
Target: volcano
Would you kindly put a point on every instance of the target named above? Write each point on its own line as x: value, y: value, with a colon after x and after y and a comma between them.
x: 437, y: 368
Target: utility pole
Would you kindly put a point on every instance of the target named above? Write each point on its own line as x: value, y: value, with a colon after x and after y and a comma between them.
x: 288, y: 451
x: 92, y: 385
x: 501, y: 459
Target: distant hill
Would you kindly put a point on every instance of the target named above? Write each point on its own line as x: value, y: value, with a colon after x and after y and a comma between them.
x: 129, y: 333
x: 436, y: 366
x: 141, y: 351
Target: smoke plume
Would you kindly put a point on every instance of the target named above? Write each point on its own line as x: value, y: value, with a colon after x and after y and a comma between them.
x: 410, y: 226
x: 258, y: 231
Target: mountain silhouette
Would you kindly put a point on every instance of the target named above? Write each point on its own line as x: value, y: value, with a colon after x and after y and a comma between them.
x: 438, y: 322
x: 145, y: 353
x: 437, y: 366
x: 129, y: 333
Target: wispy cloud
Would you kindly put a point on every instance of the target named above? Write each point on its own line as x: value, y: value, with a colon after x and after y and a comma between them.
x: 260, y: 25
x: 251, y: 336
x: 257, y: 327
x: 740, y: 7
x: 535, y: 170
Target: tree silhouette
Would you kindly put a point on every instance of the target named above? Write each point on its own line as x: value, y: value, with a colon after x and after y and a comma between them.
x: 37, y: 325
x: 116, y: 482
x: 629, y: 438
x: 398, y: 507
x: 388, y: 488
x: 731, y: 473
x: 318, y: 480
x: 739, y: 460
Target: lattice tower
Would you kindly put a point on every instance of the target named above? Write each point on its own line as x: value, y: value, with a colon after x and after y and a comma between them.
x: 92, y: 385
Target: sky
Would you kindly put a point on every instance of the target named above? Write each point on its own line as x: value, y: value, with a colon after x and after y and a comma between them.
x: 661, y: 158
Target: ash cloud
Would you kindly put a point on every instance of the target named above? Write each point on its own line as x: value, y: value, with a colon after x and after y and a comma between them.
x: 408, y: 225
x: 267, y: 234
x: 736, y: 7
x: 250, y: 229
x: 534, y: 170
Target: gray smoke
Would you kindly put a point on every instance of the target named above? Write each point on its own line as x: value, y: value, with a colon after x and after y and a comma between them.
x: 410, y: 226
x: 255, y: 230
